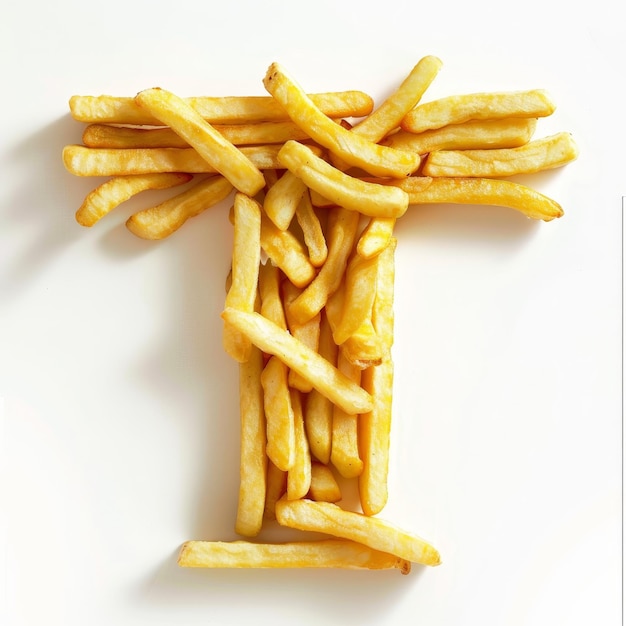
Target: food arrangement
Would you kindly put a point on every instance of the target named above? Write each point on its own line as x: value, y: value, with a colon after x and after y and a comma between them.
x: 315, y: 184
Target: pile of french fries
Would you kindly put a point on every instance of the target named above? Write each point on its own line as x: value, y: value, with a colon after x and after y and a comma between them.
x: 316, y: 184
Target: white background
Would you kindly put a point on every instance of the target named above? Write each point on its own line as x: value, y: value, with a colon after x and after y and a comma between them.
x: 119, y: 408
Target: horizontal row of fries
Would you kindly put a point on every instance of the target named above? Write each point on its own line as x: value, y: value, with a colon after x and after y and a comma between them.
x: 317, y: 184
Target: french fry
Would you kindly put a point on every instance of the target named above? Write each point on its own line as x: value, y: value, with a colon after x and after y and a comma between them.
x: 471, y: 135
x: 535, y: 156
x: 324, y: 486
x: 323, y: 553
x: 226, y: 158
x: 375, y: 236
x: 253, y: 461
x: 279, y: 417
x: 299, y: 474
x: 374, y: 532
x: 487, y: 191
x: 351, y: 148
x: 282, y: 199
x: 217, y: 110
x: 342, y: 226
x: 83, y: 161
x: 324, y: 377
x: 269, y: 290
x: 478, y: 106
x: 166, y: 218
x: 246, y: 257
x: 312, y: 230
x: 276, y: 488
x: 368, y: 198
x: 110, y: 194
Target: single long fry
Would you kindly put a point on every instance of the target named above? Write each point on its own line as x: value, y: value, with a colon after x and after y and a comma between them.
x: 246, y: 257
x: 226, y: 158
x: 83, y: 161
x: 327, y: 379
x: 166, y: 218
x: 252, y: 458
x: 471, y: 135
x: 535, y: 156
x: 351, y: 148
x: 495, y: 192
x: 305, y: 554
x: 374, y: 532
x: 478, y: 106
x: 352, y: 193
x: 110, y: 194
x: 217, y: 110
x: 299, y: 475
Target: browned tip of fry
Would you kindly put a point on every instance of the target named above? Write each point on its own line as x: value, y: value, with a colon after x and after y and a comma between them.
x: 404, y: 567
x: 182, y: 554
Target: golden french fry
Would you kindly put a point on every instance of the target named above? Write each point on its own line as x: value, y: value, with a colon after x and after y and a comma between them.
x: 351, y: 148
x: 279, y: 417
x: 282, y: 199
x: 488, y: 191
x: 321, y: 553
x: 324, y: 377
x: 474, y: 134
x: 374, y: 532
x: 342, y: 228
x: 318, y: 409
x: 324, y: 486
x: 535, y: 156
x: 478, y: 106
x: 110, y: 194
x: 312, y: 230
x: 344, y: 450
x: 166, y: 218
x: 286, y: 251
x: 217, y: 110
x: 226, y: 158
x: 375, y: 425
x: 252, y: 458
x: 368, y: 198
x: 299, y: 474
x: 83, y: 161
x: 375, y: 236
x: 269, y: 290
x: 276, y: 488
x: 246, y: 257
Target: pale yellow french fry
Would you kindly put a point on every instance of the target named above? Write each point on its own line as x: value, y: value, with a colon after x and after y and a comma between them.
x: 110, y: 194
x: 279, y: 415
x: 253, y: 461
x: 324, y: 486
x: 344, y: 451
x: 282, y: 199
x: 299, y: 475
x: 352, y: 148
x: 535, y: 156
x: 269, y: 290
x: 166, y: 218
x: 368, y: 198
x: 226, y: 158
x: 286, y: 251
x: 363, y: 348
x: 478, y: 106
x: 471, y: 135
x: 374, y: 532
x: 375, y: 425
x: 375, y: 236
x: 108, y: 136
x: 276, y: 488
x: 318, y: 409
x: 312, y: 231
x: 333, y: 553
x: 324, y: 377
x: 342, y: 228
x: 488, y: 191
x: 83, y: 161
x: 246, y: 257
x: 217, y: 110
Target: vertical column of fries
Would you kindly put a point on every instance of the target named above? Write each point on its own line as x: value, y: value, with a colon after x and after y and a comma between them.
x: 308, y: 314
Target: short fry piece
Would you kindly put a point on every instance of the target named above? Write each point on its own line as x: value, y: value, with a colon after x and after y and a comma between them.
x: 311, y: 230
x: 110, y: 194
x: 322, y: 375
x: 535, y: 156
x: 210, y: 145
x: 324, y: 486
x: 166, y: 218
x: 299, y: 475
x: 282, y: 199
x: 375, y: 237
x: 324, y: 553
x: 374, y: 532
x: 276, y: 488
